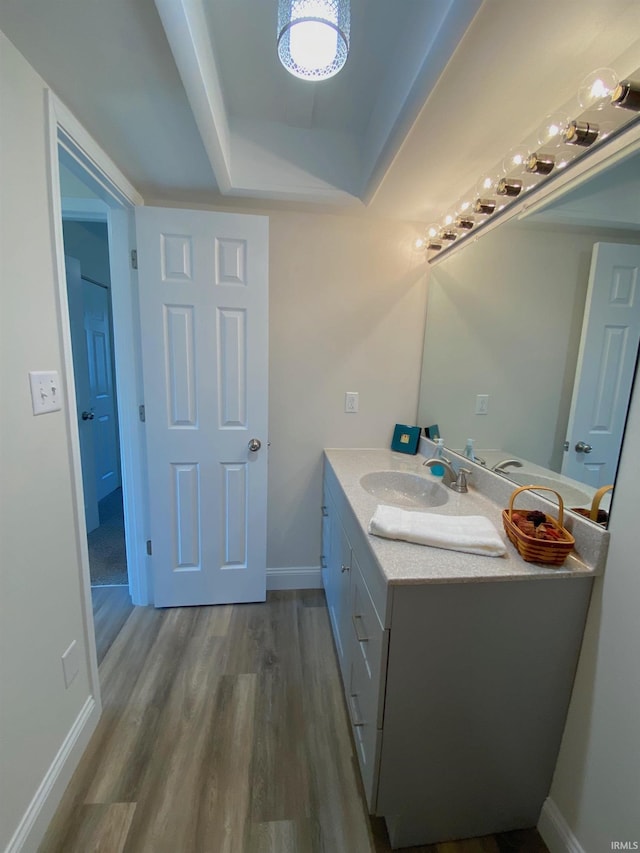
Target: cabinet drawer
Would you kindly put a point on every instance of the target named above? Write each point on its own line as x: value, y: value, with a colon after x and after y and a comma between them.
x: 366, y: 734
x: 369, y: 645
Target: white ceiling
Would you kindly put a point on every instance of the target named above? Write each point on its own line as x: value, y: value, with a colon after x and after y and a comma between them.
x: 189, y: 99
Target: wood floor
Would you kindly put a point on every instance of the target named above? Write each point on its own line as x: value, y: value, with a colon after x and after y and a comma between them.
x: 111, y: 609
x: 224, y: 730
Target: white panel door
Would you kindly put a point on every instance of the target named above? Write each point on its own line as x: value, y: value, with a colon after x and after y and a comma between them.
x: 97, y: 328
x: 606, y: 365
x: 83, y: 392
x: 203, y: 279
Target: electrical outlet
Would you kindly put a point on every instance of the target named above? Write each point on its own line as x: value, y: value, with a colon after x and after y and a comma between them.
x: 482, y: 404
x: 351, y: 401
x: 45, y: 391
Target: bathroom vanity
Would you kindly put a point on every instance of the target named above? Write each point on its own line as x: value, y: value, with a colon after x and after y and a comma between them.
x: 457, y: 668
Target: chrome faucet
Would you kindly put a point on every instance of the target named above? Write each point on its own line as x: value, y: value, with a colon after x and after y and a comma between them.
x: 456, y: 481
x: 501, y: 466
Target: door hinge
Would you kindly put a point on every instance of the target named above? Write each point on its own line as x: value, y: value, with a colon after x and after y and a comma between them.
x: 141, y: 413
x: 149, y: 549
x: 134, y: 259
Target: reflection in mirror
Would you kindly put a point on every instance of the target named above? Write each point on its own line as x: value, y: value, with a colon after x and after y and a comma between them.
x: 532, y: 334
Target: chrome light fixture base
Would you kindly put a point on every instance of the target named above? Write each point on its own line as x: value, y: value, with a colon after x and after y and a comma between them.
x: 540, y: 164
x: 484, y: 205
x: 581, y: 133
x: 510, y: 187
x: 626, y: 95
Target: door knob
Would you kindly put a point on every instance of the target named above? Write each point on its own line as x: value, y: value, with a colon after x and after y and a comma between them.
x: 581, y: 447
x: 88, y: 416
x: 254, y: 445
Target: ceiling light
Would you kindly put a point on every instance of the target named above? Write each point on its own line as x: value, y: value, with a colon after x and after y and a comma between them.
x: 313, y: 37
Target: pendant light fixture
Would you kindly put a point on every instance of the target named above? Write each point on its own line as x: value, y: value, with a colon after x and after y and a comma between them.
x: 313, y: 37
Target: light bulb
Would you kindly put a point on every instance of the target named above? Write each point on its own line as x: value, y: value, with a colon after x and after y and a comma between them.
x: 550, y: 132
x: 464, y: 206
x: 419, y: 243
x: 432, y: 231
x: 448, y: 220
x: 485, y: 185
x: 597, y: 88
x: 515, y: 161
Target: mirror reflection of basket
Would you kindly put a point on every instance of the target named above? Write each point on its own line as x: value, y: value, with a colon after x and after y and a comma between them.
x: 600, y: 516
x: 557, y: 543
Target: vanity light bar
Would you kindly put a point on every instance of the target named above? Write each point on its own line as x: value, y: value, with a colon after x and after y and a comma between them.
x: 577, y: 132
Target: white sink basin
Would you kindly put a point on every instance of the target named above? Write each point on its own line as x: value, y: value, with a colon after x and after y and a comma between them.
x: 570, y: 495
x: 400, y: 488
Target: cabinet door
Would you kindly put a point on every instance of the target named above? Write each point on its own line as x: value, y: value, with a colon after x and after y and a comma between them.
x: 337, y: 553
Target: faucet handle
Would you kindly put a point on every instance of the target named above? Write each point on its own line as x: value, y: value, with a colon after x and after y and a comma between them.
x: 460, y: 484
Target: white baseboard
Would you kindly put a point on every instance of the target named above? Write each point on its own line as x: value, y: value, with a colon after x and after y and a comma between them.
x: 42, y: 807
x: 555, y: 831
x: 305, y: 577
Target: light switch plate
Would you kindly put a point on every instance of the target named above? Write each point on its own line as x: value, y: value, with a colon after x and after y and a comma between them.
x: 351, y: 401
x: 70, y: 664
x: 45, y: 391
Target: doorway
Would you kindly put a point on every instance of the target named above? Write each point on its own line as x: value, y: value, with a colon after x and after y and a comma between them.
x: 86, y: 245
x: 101, y: 193
x: 88, y: 279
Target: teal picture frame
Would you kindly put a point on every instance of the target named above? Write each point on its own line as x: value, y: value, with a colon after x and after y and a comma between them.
x: 406, y: 439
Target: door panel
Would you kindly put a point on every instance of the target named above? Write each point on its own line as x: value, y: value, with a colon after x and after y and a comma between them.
x: 606, y: 364
x: 97, y: 328
x: 204, y: 319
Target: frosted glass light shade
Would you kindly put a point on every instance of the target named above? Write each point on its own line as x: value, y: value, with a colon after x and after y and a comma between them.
x: 313, y: 37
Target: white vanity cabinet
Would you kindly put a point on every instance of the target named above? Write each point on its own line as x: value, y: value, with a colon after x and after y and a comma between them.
x: 457, y: 691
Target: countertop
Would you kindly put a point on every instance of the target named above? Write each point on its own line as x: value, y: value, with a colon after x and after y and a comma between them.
x: 406, y: 563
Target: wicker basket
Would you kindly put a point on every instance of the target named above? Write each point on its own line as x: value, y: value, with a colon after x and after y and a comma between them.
x: 601, y: 516
x: 552, y: 552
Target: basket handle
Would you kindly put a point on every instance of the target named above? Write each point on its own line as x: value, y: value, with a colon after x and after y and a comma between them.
x: 595, y: 503
x: 533, y: 488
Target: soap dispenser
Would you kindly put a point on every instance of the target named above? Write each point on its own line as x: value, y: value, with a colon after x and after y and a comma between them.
x: 468, y: 450
x: 438, y: 453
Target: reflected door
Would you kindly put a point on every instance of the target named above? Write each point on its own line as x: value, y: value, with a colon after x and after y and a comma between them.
x: 97, y: 328
x: 83, y: 391
x: 203, y: 281
x: 606, y: 365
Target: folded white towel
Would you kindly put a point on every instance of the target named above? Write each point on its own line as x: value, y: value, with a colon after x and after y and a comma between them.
x: 473, y: 534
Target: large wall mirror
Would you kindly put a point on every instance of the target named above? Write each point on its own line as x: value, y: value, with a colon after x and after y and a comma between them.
x: 531, y: 341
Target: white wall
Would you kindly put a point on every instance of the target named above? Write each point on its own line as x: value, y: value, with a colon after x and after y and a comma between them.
x: 40, y: 597
x: 596, y: 787
x: 347, y: 302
